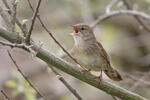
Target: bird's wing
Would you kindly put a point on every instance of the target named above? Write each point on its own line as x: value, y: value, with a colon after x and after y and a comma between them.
x: 103, y: 53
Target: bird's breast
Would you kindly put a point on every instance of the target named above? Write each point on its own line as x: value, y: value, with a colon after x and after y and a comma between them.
x: 89, y: 57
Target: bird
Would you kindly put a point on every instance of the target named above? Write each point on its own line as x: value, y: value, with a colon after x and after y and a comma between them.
x: 91, y: 54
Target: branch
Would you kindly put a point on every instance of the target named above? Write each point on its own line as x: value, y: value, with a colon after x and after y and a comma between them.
x: 136, y: 17
x: 24, y: 76
x: 136, y: 78
x: 6, y: 19
x: 73, y: 91
x: 110, y: 5
x: 5, y: 95
x: 74, y: 71
x: 120, y: 12
x: 49, y: 32
x: 137, y: 83
x: 32, y: 24
x: 22, y: 27
x: 13, y: 14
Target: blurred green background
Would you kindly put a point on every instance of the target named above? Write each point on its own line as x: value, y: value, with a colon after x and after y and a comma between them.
x: 127, y: 43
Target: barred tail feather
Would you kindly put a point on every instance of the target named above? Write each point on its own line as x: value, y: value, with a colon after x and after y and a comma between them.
x: 113, y: 74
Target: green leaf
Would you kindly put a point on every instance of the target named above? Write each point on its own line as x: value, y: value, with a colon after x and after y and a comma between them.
x: 31, y: 55
x: 12, y: 84
x: 18, y: 29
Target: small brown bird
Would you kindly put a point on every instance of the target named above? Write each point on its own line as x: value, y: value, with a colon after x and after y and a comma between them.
x: 91, y: 54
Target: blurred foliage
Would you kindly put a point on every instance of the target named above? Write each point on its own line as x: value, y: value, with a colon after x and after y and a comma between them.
x: 123, y: 38
x: 21, y: 86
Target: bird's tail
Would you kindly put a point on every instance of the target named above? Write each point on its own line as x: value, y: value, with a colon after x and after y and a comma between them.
x: 113, y: 74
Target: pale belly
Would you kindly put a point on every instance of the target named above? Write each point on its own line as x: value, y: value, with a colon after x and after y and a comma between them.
x: 93, y: 62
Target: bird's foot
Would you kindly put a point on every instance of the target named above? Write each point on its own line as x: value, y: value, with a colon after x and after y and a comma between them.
x: 100, y: 78
x: 84, y: 69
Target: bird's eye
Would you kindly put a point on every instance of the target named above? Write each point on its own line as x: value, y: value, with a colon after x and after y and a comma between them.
x: 82, y: 28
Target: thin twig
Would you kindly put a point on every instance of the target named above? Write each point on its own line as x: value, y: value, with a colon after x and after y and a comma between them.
x: 135, y: 78
x: 6, y: 18
x: 11, y: 44
x: 128, y: 6
x: 25, y: 77
x: 6, y: 5
x: 13, y: 14
x: 120, y: 12
x: 48, y: 31
x: 27, y: 40
x: 72, y: 90
x: 110, y: 5
x: 136, y: 84
x: 22, y: 45
x: 5, y: 95
x: 22, y: 27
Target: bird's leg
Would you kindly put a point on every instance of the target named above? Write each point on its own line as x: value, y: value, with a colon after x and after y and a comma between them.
x: 84, y: 69
x: 100, y: 78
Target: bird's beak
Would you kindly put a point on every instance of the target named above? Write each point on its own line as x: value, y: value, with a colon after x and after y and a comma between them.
x: 75, y: 29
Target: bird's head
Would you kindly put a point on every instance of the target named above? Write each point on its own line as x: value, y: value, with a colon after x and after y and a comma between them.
x: 82, y: 33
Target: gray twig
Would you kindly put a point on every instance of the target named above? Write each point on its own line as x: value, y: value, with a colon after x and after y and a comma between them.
x: 135, y: 78
x: 13, y: 14
x: 22, y: 45
x: 27, y: 40
x: 25, y: 77
x: 5, y: 95
x: 6, y: 18
x: 110, y: 5
x: 128, y: 6
x: 120, y: 12
x: 139, y: 81
x: 72, y: 90
x: 22, y: 27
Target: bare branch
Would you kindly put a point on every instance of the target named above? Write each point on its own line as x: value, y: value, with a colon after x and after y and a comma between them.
x: 32, y: 24
x: 25, y: 77
x: 73, y: 70
x: 6, y: 18
x: 13, y: 14
x: 136, y: 17
x: 110, y: 5
x: 11, y: 44
x: 135, y: 78
x: 5, y: 95
x: 22, y: 27
x: 73, y: 91
x: 6, y: 5
x: 120, y: 12
x: 136, y: 84
x: 30, y: 5
x: 48, y: 31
